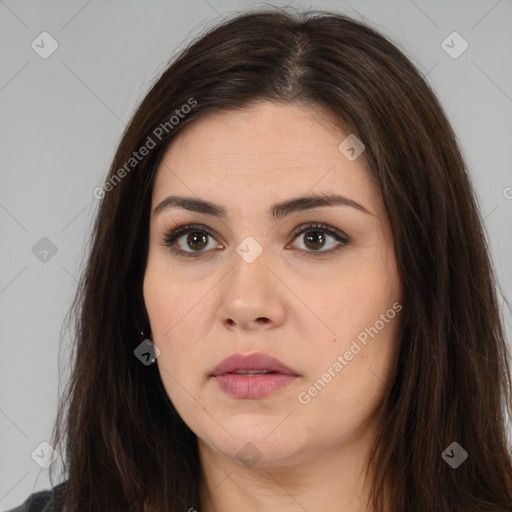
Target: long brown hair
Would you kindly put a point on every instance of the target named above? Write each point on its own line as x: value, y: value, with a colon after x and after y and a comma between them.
x: 125, y: 444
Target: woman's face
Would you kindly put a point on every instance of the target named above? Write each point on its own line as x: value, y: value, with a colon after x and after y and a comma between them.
x: 261, y: 271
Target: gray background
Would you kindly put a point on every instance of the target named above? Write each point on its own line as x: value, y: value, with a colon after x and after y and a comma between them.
x: 61, y: 118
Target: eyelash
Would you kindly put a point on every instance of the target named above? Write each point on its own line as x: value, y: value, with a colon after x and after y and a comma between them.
x: 172, y: 234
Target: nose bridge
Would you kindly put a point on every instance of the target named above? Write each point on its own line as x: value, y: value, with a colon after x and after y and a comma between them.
x: 248, y: 293
x: 250, y: 275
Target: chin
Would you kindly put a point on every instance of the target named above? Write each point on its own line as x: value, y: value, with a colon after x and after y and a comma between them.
x: 256, y: 442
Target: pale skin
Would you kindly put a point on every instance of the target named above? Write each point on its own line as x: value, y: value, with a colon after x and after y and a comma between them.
x: 300, y: 307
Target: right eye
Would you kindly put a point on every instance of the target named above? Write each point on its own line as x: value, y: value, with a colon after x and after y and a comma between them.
x: 197, y: 235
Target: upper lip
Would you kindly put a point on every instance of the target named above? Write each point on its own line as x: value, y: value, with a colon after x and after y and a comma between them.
x: 255, y: 361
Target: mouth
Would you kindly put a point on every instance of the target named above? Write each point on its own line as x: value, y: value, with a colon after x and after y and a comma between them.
x: 252, y: 372
x: 251, y: 364
x: 252, y: 376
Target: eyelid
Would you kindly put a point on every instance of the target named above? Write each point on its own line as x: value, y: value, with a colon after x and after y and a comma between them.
x: 172, y: 234
x: 320, y: 226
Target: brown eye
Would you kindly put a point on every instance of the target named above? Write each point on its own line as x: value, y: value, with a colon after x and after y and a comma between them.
x: 314, y: 240
x: 193, y: 240
x: 193, y: 244
x: 316, y: 236
x: 197, y: 240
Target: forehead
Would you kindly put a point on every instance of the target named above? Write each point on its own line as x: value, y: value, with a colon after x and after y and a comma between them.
x: 266, y: 148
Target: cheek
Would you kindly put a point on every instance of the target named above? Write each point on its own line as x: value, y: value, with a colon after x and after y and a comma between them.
x: 346, y: 386
x: 176, y: 328
x: 355, y: 297
x: 362, y: 311
x: 169, y: 300
x: 172, y: 332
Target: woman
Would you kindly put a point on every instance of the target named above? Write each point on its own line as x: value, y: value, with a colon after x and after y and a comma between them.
x: 288, y: 302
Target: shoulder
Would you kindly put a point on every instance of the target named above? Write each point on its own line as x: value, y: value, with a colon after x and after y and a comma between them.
x: 42, y: 501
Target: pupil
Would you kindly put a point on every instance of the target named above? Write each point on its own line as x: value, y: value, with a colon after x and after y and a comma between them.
x: 310, y: 238
x: 197, y: 239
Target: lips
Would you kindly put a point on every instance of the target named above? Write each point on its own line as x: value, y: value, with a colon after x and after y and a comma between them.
x: 251, y: 364
x: 252, y: 376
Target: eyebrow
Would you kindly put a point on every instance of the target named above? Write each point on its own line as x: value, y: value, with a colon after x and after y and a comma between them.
x: 276, y: 212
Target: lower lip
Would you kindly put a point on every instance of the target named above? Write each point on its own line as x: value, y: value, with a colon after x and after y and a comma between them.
x: 253, y: 386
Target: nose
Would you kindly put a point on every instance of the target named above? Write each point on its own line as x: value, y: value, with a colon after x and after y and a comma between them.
x: 252, y: 295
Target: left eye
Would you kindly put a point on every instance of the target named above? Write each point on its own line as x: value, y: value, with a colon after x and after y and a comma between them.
x: 315, y: 236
